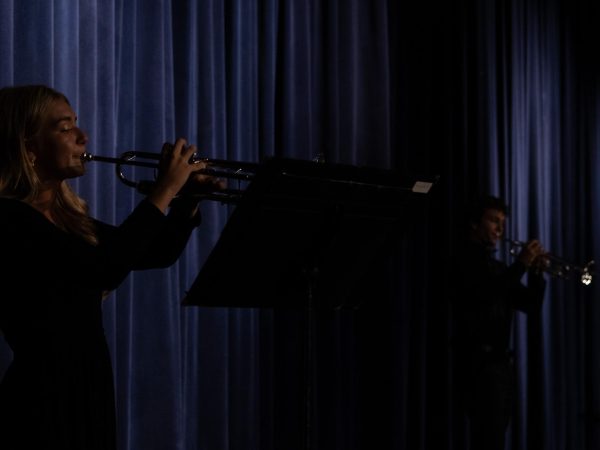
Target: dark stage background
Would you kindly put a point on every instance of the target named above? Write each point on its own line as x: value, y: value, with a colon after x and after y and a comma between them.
x: 492, y: 96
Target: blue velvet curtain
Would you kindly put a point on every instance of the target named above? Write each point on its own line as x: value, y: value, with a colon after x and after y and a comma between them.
x: 494, y: 96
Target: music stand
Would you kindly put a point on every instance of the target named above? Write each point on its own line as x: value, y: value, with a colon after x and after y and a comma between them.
x: 302, y: 236
x: 301, y: 221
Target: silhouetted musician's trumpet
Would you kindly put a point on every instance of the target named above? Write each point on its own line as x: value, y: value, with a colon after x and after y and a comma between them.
x: 556, y: 266
x: 241, y: 171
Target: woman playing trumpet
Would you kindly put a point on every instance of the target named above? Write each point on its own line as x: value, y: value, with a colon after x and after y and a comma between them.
x: 57, y: 262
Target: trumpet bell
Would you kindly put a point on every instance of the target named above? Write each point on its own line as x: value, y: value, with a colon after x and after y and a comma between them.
x: 555, y: 266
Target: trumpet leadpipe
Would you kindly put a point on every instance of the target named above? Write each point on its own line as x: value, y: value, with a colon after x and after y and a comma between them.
x: 219, y: 168
x: 122, y: 160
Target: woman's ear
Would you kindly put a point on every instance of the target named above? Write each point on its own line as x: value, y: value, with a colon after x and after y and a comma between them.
x: 31, y: 149
x: 31, y: 157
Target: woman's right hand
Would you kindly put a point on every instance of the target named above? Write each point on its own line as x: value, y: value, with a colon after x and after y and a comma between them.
x: 174, y: 171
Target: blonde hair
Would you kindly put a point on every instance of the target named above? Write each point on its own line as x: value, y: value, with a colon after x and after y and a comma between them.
x: 22, y: 112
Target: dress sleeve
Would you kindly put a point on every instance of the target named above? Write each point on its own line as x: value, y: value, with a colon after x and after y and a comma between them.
x: 147, y: 239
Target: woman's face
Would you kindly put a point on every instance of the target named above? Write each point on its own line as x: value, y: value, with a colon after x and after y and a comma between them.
x: 56, y: 150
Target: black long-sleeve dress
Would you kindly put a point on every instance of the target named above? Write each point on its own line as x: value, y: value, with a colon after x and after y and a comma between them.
x: 58, y: 391
x: 486, y: 295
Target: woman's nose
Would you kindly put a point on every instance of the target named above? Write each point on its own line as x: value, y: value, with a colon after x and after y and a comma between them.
x: 82, y: 137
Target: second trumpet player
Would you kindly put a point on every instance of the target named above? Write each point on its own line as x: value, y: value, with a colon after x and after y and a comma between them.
x: 486, y: 293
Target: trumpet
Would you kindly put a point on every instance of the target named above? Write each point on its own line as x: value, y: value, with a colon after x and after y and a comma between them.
x: 556, y: 266
x: 218, y: 168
